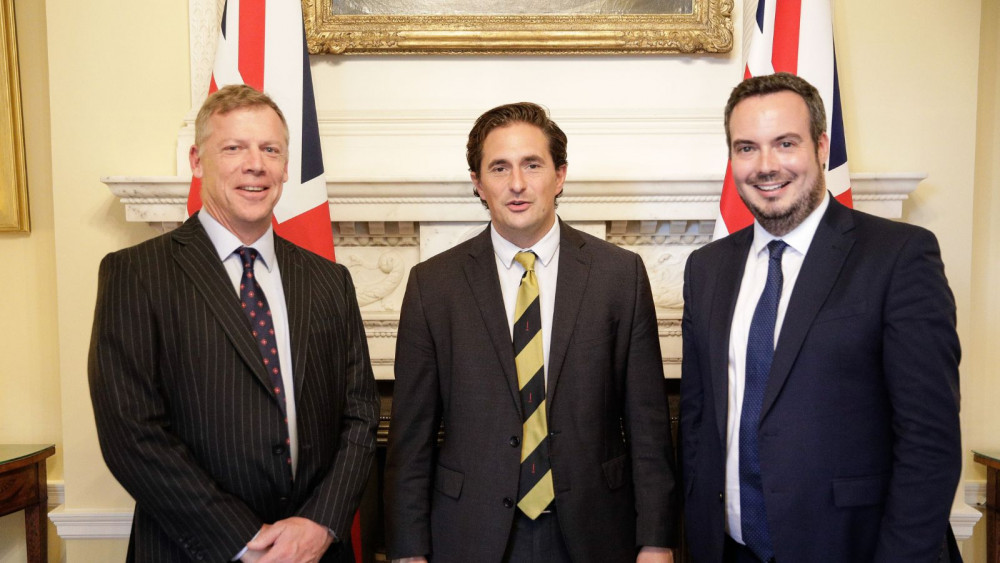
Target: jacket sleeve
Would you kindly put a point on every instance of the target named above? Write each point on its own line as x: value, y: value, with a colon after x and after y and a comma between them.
x: 647, y: 424
x: 920, y: 362
x: 415, y: 421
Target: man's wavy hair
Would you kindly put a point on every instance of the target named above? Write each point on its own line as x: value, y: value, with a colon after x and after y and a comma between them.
x: 227, y: 99
x: 772, y: 84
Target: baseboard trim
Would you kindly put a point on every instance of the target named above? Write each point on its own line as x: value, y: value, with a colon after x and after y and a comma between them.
x: 75, y: 524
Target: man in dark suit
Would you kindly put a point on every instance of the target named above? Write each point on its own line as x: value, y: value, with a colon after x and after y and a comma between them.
x: 201, y: 334
x: 581, y: 401
x: 819, y: 395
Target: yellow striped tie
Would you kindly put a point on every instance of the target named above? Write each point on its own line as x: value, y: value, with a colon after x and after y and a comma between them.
x: 535, y: 491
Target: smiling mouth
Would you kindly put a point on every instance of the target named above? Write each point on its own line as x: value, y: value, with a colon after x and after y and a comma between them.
x: 253, y: 189
x: 770, y: 187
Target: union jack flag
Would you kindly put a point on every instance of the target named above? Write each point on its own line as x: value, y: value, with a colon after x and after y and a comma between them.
x: 262, y: 44
x: 793, y: 36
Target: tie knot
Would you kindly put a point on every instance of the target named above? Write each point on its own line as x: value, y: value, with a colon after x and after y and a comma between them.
x: 248, y: 256
x: 776, y: 248
x: 526, y: 259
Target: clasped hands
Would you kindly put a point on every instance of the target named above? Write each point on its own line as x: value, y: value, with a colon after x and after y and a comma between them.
x: 292, y: 540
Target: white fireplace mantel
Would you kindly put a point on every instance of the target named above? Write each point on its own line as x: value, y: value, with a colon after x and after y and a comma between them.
x: 160, y: 200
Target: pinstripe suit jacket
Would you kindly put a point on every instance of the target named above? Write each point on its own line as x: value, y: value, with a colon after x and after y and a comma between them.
x: 185, y: 415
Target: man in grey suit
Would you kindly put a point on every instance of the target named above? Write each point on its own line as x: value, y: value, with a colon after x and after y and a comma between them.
x: 229, y: 370
x: 556, y: 440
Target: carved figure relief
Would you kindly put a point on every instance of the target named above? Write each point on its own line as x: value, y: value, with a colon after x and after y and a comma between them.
x: 374, y: 281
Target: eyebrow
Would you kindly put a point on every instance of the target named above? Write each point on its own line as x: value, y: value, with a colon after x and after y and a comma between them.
x: 528, y: 158
x: 782, y: 137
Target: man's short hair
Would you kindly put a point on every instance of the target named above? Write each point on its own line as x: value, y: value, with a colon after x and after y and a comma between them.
x: 509, y: 114
x: 227, y: 99
x: 780, y: 82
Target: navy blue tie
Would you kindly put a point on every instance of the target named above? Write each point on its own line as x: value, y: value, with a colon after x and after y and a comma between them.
x: 760, y: 352
x: 259, y: 313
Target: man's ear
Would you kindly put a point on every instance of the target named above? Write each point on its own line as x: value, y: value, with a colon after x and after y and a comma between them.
x: 476, y: 184
x: 195, y: 159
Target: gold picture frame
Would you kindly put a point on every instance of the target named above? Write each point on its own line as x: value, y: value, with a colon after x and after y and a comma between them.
x: 13, y: 176
x: 706, y: 28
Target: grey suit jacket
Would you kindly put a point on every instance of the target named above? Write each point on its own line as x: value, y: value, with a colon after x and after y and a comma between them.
x: 860, y: 448
x: 185, y: 415
x: 610, y: 443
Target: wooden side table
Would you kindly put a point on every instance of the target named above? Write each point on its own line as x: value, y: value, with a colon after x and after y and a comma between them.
x: 992, y: 462
x: 23, y: 487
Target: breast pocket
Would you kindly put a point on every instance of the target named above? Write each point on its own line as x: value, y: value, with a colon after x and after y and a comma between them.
x: 842, y: 312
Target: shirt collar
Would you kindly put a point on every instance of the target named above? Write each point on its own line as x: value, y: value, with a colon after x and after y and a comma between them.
x: 226, y: 243
x: 544, y: 249
x: 798, y: 238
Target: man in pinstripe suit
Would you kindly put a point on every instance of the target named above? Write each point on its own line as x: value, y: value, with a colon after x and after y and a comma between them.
x: 190, y: 420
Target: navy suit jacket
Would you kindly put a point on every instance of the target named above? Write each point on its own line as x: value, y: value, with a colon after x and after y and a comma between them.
x: 860, y: 448
x: 185, y: 414
x: 609, y: 444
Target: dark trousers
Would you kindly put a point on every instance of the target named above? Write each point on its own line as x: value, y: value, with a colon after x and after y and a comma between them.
x: 738, y: 553
x: 536, y: 541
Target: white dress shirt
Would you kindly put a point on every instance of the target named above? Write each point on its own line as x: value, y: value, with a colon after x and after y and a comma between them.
x: 269, y: 277
x: 546, y: 270
x: 754, y: 279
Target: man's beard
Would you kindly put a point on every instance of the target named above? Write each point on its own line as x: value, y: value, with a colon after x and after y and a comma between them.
x: 780, y: 223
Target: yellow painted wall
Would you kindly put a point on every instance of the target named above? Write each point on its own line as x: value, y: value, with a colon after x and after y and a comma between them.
x: 116, y: 88
x: 29, y: 378
x: 982, y: 384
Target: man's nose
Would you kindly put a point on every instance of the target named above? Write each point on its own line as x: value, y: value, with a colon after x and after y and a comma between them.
x: 517, y: 180
x: 254, y: 161
x: 769, y: 161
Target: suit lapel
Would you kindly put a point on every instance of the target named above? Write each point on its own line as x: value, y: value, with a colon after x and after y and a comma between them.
x: 196, y: 256
x: 571, y: 283
x: 481, y: 272
x: 298, y: 297
x: 829, y: 248
x: 728, y: 279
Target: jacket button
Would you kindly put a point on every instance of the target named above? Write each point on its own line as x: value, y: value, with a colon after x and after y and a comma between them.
x: 722, y: 498
x: 508, y: 502
x: 514, y: 442
x: 278, y: 450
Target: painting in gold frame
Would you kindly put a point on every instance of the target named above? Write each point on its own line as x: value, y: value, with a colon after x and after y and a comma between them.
x: 469, y: 27
x: 13, y: 180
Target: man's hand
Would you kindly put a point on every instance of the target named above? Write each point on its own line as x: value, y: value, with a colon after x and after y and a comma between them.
x: 292, y: 540
x: 655, y: 555
x: 410, y: 560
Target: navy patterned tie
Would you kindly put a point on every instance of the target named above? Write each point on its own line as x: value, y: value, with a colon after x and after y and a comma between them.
x: 259, y: 312
x: 760, y: 352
